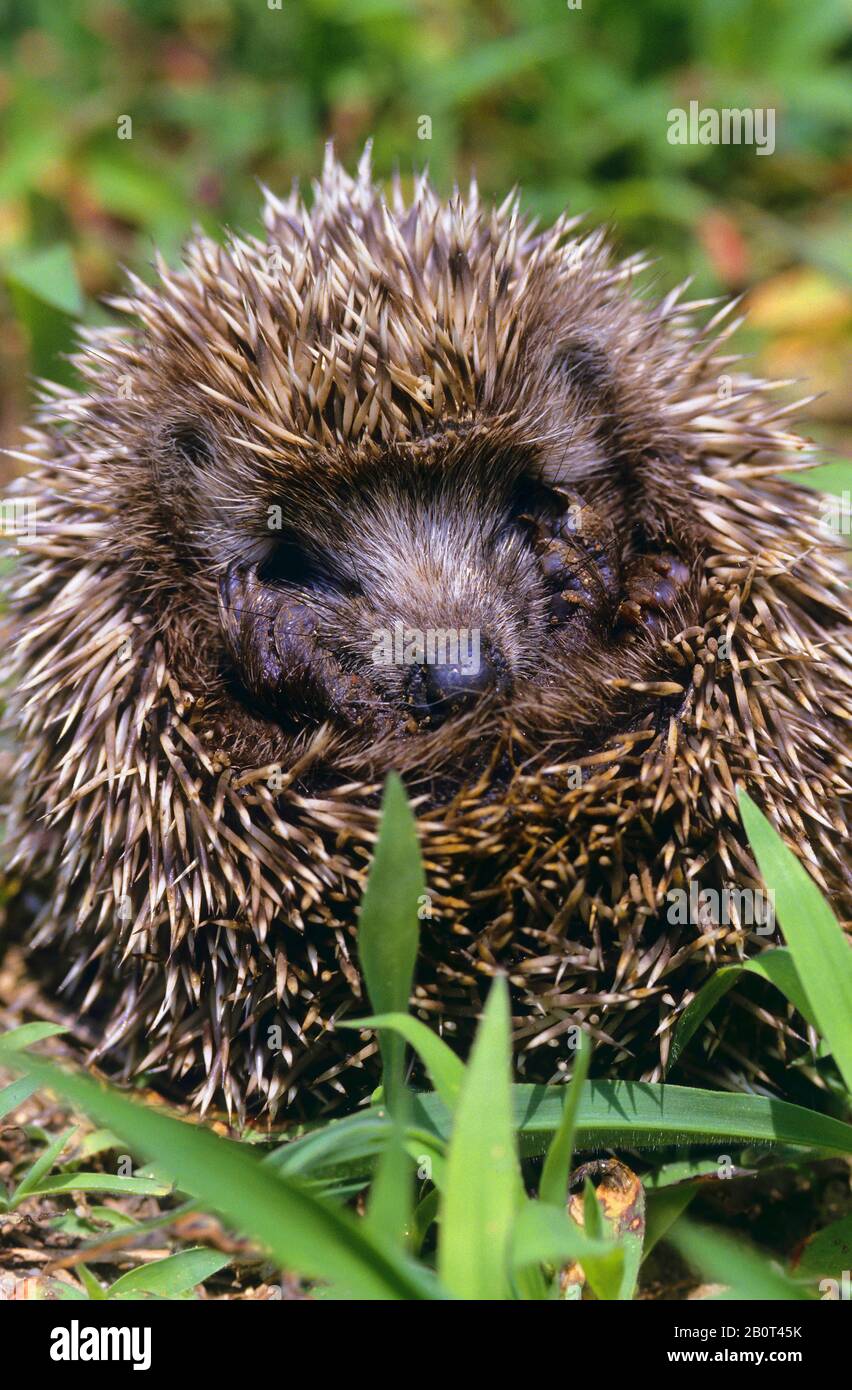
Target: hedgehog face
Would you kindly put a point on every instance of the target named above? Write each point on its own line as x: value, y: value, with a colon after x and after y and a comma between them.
x: 415, y: 591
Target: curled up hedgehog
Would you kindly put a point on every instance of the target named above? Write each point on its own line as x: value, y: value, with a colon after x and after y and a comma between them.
x: 413, y: 485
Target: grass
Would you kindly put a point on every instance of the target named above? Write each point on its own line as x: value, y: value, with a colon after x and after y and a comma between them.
x: 433, y: 1195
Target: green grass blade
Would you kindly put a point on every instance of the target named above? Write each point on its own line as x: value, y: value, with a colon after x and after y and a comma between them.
x: 388, y: 931
x: 27, y: 1034
x: 822, y: 954
x: 610, y: 1276
x: 829, y: 1252
x: 390, y: 1206
x: 665, y: 1207
x: 745, y: 1272
x: 15, y: 1094
x: 43, y: 1164
x: 341, y: 1148
x: 170, y: 1277
x: 557, y: 1165
x: 426, y: 1212
x: 610, y: 1114
x: 304, y: 1233
x: 483, y: 1178
x: 592, y: 1218
x: 351, y: 1148
x: 442, y: 1064
x: 648, y: 1115
x: 93, y: 1286
x: 545, y: 1234
x: 776, y: 966
x: 97, y: 1182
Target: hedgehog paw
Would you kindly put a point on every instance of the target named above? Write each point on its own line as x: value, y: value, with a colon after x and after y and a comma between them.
x: 653, y: 585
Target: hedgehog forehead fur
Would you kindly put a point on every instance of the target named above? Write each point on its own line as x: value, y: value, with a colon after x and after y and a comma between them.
x: 386, y: 412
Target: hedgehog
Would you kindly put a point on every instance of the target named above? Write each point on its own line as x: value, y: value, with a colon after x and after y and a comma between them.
x: 404, y: 484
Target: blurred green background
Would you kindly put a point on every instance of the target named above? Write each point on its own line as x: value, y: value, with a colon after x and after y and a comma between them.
x: 571, y: 103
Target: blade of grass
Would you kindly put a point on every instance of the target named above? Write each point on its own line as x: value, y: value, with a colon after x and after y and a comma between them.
x: 390, y: 1205
x: 610, y: 1114
x: 170, y: 1277
x: 304, y: 1233
x: 41, y: 1167
x: 483, y: 1177
x: 93, y: 1286
x: 15, y: 1094
x: 388, y: 930
x: 643, y: 1114
x: 746, y: 1273
x: 27, y: 1034
x: 607, y: 1274
x: 426, y: 1212
x: 97, y: 1182
x: 545, y: 1234
x: 829, y: 1252
x: 442, y: 1064
x: 775, y: 966
x: 664, y: 1208
x: 820, y: 950
x: 557, y: 1165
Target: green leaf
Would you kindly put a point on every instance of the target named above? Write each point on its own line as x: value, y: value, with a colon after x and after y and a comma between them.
x: 592, y: 1218
x: 829, y: 1252
x: 664, y: 1208
x: 93, y: 1286
x: 15, y: 1094
x: 609, y: 1277
x: 97, y: 1182
x: 648, y: 1115
x: 557, y: 1165
x: 426, y: 1212
x: 483, y: 1178
x: 50, y: 276
x: 820, y: 950
x: 775, y: 966
x: 341, y: 1148
x: 391, y: 1201
x: 68, y: 1293
x: 170, y: 1277
x: 745, y: 1272
x: 303, y: 1232
x: 611, y: 1114
x: 388, y: 931
x: 442, y: 1064
x: 27, y: 1034
x: 43, y: 1164
x: 545, y: 1234
x: 46, y: 297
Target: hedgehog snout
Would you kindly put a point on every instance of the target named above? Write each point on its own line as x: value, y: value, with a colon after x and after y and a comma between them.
x: 441, y: 689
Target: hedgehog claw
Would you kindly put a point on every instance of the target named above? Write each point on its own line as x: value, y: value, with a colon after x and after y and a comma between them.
x: 653, y: 590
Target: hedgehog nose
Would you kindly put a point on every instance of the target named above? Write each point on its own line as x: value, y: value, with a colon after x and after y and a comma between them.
x: 445, y: 689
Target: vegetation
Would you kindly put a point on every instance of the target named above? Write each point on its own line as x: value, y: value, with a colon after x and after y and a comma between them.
x: 463, y: 1191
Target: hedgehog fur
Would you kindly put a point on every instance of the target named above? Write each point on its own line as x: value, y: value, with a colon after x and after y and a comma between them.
x: 377, y: 412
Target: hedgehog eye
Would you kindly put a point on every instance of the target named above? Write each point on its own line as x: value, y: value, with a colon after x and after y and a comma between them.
x: 291, y: 565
